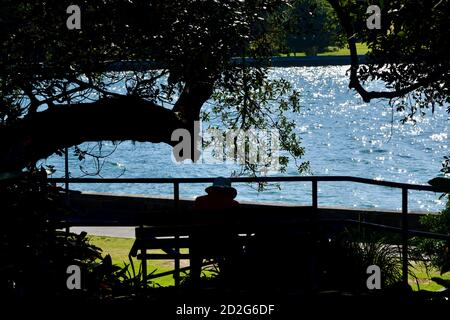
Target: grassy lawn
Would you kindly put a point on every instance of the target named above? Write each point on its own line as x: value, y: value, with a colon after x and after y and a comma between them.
x: 119, y: 248
x: 424, y: 279
x: 361, y: 47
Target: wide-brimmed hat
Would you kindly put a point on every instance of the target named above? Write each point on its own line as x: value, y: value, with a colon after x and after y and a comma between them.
x: 222, y: 185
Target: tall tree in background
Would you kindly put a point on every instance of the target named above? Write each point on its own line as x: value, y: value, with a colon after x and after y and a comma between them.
x: 58, y: 89
x: 410, y: 52
x: 313, y: 27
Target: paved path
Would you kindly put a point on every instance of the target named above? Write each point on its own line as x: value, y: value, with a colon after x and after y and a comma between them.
x: 118, y: 232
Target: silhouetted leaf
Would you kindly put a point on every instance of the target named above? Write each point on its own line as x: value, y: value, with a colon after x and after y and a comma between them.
x: 440, y: 184
x: 442, y: 282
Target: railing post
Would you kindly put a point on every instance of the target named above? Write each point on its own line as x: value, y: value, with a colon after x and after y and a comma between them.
x: 315, y: 236
x: 314, y: 194
x: 66, y: 178
x: 66, y: 170
x: 176, y: 198
x: 405, y: 236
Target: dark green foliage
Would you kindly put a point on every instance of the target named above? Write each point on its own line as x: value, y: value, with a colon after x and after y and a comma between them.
x: 345, y: 257
x: 191, y: 39
x: 29, y: 244
x: 313, y: 27
x: 45, y: 66
x: 437, y: 251
x: 34, y: 256
x: 446, y: 165
x: 409, y: 53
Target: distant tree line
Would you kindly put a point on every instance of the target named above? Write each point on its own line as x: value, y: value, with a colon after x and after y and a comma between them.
x: 312, y: 27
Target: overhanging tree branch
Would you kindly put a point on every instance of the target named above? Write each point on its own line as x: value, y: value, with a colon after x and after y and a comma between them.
x: 114, y: 119
x: 192, y: 98
x: 355, y: 82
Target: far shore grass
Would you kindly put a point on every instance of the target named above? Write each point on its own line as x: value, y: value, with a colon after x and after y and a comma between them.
x: 119, y: 248
x: 360, y: 47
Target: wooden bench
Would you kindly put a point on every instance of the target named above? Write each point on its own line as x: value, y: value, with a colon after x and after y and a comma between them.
x: 170, y: 238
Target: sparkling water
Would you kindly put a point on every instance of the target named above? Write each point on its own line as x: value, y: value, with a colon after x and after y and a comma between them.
x: 342, y: 135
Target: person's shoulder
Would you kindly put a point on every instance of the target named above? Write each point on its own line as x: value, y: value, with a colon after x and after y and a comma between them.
x: 201, y: 198
x: 201, y: 201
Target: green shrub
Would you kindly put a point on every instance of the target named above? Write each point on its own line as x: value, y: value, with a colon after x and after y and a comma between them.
x: 34, y: 255
x: 346, y: 257
x: 437, y: 251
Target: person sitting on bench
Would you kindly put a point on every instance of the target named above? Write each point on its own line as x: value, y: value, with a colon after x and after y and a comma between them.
x: 218, y: 200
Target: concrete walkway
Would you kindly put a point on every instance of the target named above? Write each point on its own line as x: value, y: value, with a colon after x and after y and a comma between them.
x: 118, y: 232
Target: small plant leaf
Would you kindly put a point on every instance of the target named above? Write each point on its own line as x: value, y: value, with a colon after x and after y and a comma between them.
x: 440, y: 184
x: 442, y: 282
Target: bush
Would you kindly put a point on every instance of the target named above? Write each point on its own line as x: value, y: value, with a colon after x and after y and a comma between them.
x: 34, y: 255
x: 437, y: 251
x: 345, y: 258
x: 313, y: 27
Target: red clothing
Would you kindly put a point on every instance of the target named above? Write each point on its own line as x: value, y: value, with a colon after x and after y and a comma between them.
x: 215, y: 201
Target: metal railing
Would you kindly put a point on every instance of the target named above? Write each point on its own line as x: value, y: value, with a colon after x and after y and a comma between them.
x: 405, y: 187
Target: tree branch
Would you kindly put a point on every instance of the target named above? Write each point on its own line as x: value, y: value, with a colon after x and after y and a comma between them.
x: 355, y: 83
x: 115, y: 119
x: 191, y: 100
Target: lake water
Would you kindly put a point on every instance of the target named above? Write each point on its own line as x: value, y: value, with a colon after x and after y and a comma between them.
x: 342, y: 135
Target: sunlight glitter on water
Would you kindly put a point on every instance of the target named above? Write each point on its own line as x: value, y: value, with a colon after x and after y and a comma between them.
x: 342, y: 135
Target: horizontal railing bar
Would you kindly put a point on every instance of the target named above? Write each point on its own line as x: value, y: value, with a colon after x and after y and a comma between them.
x: 390, y: 184
x: 413, y: 233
